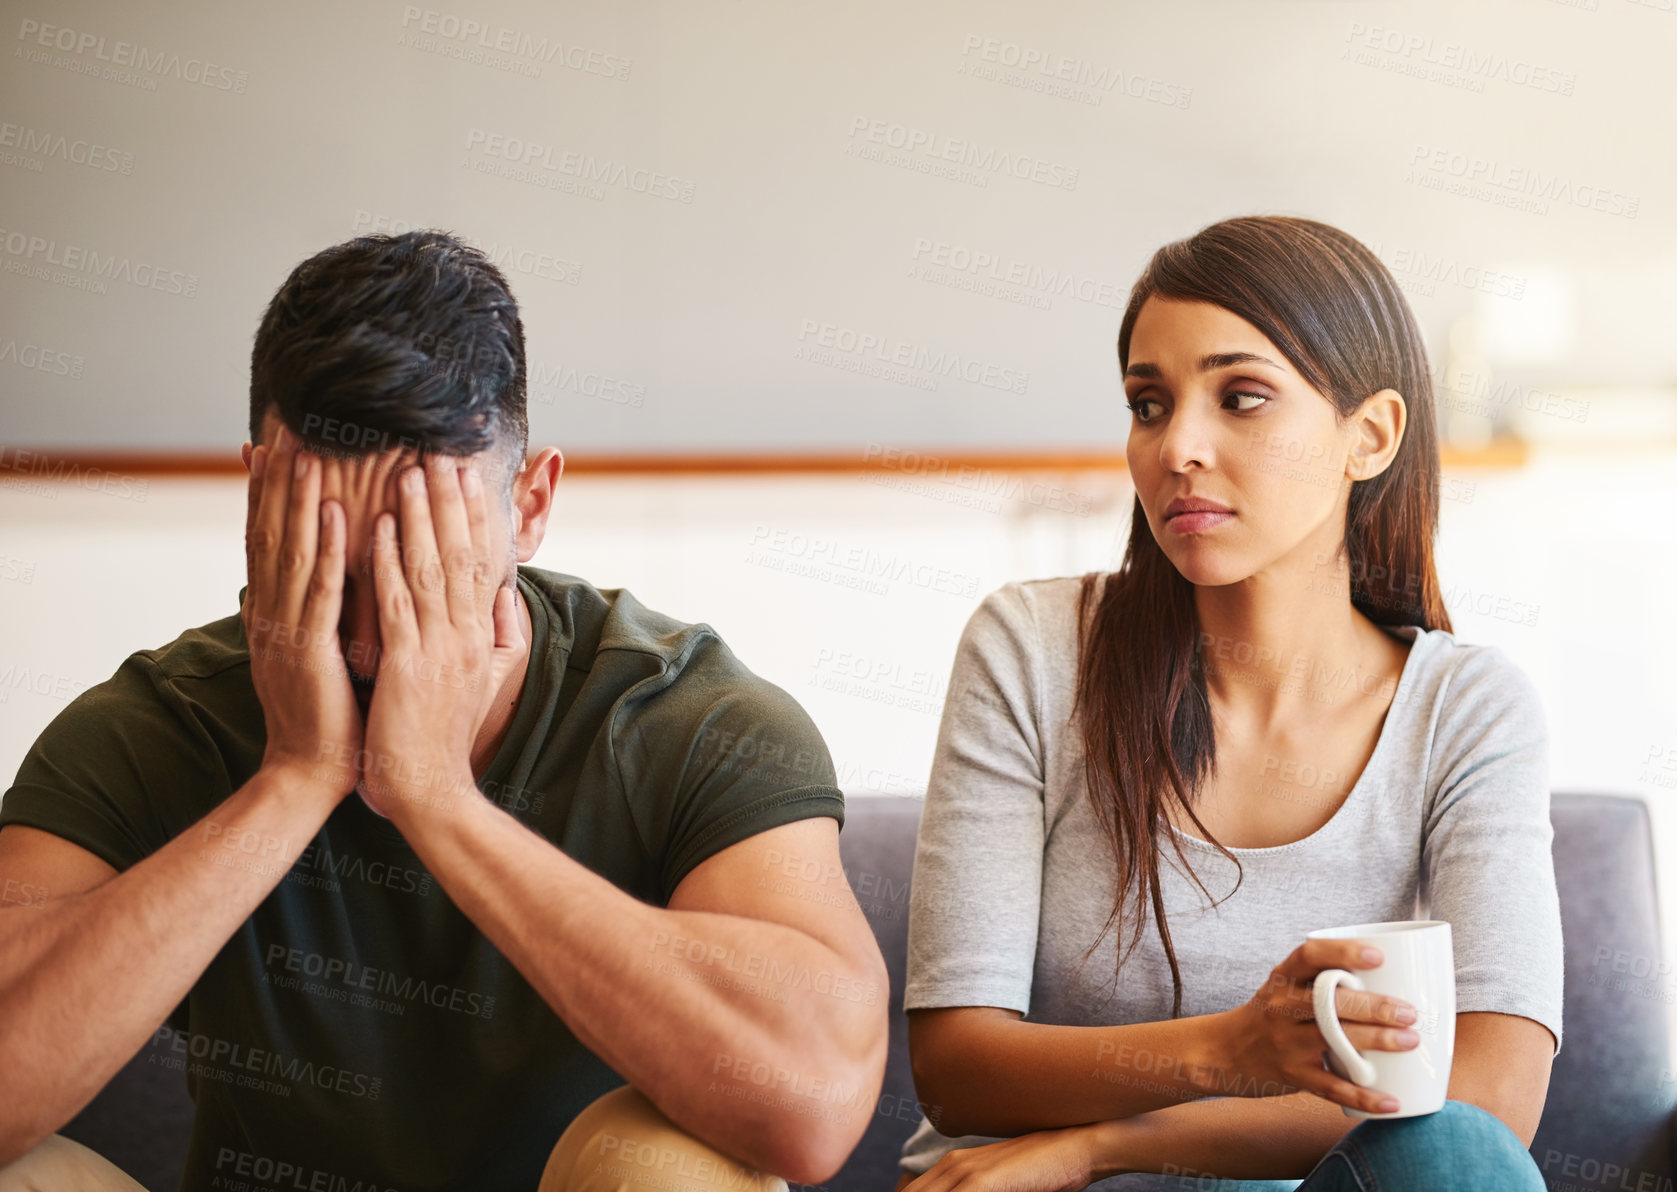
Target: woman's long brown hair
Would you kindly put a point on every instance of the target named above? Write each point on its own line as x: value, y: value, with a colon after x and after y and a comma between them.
x: 1335, y: 312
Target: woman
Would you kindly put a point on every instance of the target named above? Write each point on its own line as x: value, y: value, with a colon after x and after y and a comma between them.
x: 1149, y: 785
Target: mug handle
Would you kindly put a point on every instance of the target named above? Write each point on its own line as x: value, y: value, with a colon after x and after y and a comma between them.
x: 1327, y: 1021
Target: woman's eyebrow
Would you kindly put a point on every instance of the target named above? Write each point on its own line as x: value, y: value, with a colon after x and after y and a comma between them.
x: 1207, y: 363
x: 1225, y: 359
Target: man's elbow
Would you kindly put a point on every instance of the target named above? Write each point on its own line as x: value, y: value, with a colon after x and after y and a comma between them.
x: 21, y: 1129
x: 24, y: 1127
x: 15, y: 1142
x: 813, y: 1158
x: 811, y: 1148
x: 818, y: 1147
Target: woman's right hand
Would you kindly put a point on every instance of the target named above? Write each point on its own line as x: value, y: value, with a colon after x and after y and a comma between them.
x: 1273, y: 1038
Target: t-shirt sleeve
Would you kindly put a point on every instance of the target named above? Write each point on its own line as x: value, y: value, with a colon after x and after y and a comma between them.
x: 1487, y: 865
x: 977, y: 887
x: 711, y: 754
x: 108, y: 769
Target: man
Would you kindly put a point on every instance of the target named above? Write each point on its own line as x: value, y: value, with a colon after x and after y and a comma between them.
x: 426, y: 856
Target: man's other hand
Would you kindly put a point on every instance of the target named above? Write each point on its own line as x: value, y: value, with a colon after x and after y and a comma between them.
x: 449, y: 633
x: 294, y: 561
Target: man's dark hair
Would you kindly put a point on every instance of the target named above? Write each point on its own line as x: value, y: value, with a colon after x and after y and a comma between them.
x: 384, y: 342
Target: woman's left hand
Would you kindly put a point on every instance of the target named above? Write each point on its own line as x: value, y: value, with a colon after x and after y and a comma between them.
x: 1042, y: 1161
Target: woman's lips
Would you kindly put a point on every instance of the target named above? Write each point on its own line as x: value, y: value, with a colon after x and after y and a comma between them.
x: 1191, y: 523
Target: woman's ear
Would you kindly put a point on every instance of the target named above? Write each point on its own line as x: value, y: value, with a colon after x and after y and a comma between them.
x: 1377, y: 434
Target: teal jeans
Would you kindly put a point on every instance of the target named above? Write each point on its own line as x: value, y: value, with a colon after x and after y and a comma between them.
x: 1459, y: 1147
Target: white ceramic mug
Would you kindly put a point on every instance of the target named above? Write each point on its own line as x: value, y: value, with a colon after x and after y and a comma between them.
x: 1420, y: 968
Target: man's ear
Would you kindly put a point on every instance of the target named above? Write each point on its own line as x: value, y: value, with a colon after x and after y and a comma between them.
x: 532, y: 500
x: 244, y: 454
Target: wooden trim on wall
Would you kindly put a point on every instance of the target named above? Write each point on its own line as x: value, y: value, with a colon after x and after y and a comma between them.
x: 49, y: 463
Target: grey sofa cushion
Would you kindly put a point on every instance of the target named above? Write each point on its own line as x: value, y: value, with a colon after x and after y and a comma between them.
x: 1608, y: 1120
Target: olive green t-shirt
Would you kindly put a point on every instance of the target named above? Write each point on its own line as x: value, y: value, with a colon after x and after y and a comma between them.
x: 358, y: 1030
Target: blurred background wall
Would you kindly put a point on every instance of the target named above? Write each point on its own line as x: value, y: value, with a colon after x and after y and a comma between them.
x: 820, y: 294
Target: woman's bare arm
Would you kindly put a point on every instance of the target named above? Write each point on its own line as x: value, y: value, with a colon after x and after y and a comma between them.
x: 1501, y: 1064
x: 984, y: 1070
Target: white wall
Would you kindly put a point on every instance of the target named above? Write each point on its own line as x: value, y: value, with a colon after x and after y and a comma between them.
x: 1509, y: 151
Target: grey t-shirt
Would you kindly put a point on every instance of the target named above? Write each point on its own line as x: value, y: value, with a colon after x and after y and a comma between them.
x: 1013, y: 878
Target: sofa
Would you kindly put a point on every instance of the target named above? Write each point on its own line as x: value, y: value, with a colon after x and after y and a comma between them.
x: 1607, y: 1125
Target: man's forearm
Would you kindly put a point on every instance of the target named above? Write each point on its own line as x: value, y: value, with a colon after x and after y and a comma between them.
x: 86, y: 978
x: 1229, y: 1138
x: 734, y: 1024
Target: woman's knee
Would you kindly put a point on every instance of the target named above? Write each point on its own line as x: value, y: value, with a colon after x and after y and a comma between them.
x: 57, y: 1164
x: 1460, y: 1146
x: 621, y: 1141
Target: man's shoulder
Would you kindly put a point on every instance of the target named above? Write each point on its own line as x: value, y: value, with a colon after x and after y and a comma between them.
x: 134, y: 758
x: 664, y: 676
x: 205, y: 665
x: 600, y: 625
x: 204, y: 652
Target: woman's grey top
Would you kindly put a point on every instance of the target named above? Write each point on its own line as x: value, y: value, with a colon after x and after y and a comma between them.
x: 1013, y: 878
